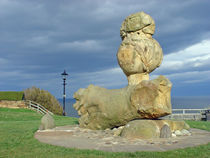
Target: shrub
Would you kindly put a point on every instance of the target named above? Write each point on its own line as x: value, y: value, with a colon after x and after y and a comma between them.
x: 44, y: 98
x: 11, y: 96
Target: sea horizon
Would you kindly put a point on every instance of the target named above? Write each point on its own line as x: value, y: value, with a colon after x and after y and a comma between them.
x: 178, y: 102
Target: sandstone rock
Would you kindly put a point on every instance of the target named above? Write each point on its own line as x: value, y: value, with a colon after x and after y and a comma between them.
x: 173, y: 135
x: 152, y: 98
x: 165, y: 132
x: 147, y: 129
x: 185, y: 132
x: 118, y: 130
x: 47, y: 122
x: 121, y: 127
x: 142, y: 56
x: 178, y: 133
x: 141, y: 129
x: 137, y: 21
x: 177, y: 125
x: 101, y: 108
x: 138, y: 55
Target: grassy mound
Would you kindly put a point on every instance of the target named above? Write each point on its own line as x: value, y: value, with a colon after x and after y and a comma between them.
x: 11, y: 96
x: 17, y: 128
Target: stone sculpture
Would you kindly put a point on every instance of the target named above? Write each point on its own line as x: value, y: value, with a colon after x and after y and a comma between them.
x: 138, y: 55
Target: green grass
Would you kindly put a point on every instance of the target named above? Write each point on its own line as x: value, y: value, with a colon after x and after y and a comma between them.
x: 17, y: 128
x: 205, y: 125
x: 10, y: 95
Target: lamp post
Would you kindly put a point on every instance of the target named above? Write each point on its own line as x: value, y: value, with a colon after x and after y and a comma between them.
x: 64, y: 75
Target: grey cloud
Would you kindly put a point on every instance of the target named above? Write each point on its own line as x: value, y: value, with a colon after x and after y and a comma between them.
x: 108, y: 78
x: 193, y: 58
x: 41, y: 37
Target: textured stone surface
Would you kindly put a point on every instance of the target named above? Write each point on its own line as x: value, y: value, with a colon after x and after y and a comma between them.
x: 185, y: 132
x: 165, y: 132
x: 143, y: 129
x: 152, y: 98
x: 12, y: 104
x: 176, y: 125
x: 138, y: 55
x: 147, y: 129
x: 178, y: 133
x: 136, y: 22
x: 47, y: 122
x: 101, y: 108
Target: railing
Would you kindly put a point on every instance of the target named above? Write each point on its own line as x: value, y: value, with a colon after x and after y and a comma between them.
x: 187, y: 114
x: 37, y: 107
x: 187, y: 111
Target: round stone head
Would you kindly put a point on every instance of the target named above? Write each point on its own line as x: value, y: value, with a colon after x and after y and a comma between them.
x: 136, y: 22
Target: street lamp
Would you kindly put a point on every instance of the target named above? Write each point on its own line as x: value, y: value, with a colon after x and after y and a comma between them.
x: 64, y: 75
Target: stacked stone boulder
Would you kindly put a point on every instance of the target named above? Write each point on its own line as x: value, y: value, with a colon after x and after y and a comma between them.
x: 139, y: 54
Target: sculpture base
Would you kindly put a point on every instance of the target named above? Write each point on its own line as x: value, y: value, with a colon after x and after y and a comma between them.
x: 147, y: 129
x: 72, y: 136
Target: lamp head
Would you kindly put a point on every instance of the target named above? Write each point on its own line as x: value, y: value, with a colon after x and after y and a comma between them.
x: 64, y: 74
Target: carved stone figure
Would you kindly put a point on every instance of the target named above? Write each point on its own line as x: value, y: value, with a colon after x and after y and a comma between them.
x: 138, y: 55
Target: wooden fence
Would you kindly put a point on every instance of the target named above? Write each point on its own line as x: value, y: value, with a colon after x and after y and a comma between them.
x: 37, y: 107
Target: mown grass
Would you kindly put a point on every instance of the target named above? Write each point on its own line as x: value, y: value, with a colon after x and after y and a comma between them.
x: 205, y: 125
x: 17, y: 128
x: 11, y: 95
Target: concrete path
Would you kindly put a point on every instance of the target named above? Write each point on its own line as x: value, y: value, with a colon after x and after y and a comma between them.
x: 75, y: 137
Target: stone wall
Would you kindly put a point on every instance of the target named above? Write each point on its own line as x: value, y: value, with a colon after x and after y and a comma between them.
x: 12, y: 104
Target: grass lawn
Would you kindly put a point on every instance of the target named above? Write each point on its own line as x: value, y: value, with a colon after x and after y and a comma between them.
x: 17, y: 127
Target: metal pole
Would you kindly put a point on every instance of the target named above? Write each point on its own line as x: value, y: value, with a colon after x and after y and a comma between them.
x: 64, y: 95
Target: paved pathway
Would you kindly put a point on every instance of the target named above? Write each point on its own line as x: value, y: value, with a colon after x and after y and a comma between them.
x: 75, y: 137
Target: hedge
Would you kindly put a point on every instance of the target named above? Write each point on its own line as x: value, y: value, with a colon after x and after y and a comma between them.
x: 11, y: 95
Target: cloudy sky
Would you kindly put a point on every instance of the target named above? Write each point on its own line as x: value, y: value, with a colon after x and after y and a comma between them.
x: 39, y: 39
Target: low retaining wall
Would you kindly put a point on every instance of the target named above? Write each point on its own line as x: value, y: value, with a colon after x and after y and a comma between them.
x: 12, y: 104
